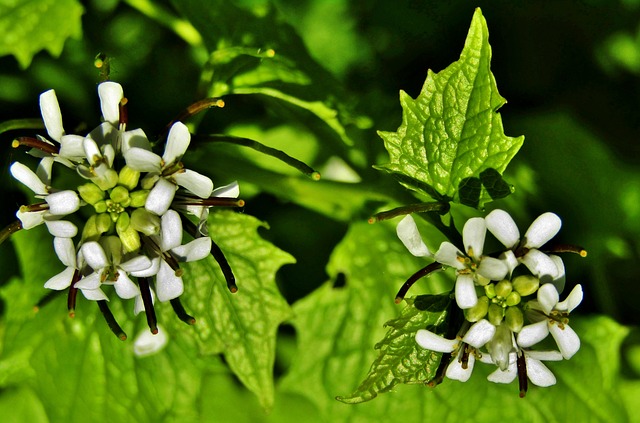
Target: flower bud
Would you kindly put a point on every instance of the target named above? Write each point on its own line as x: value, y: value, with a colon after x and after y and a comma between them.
x: 90, y: 193
x: 490, y: 290
x: 122, y: 223
x: 526, y: 284
x: 107, y: 181
x: 496, y: 313
x: 119, y: 194
x: 478, y: 311
x: 103, y: 223
x: 130, y: 239
x: 128, y: 177
x: 145, y: 222
x: 513, y: 299
x: 138, y: 198
x: 500, y: 346
x: 514, y: 318
x: 503, y: 288
x: 149, y: 181
x: 100, y: 206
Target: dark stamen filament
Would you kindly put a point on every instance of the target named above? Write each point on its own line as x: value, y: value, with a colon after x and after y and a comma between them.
x: 10, y: 229
x: 50, y: 296
x: 111, y: 321
x: 209, y: 202
x: 425, y: 271
x: 522, y: 373
x: 73, y: 294
x: 124, y: 114
x: 567, y: 248
x: 411, y: 208
x: 145, y: 292
x: 37, y: 144
x: 181, y: 312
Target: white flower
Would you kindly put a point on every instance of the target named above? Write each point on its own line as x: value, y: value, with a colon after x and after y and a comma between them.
x: 477, y: 336
x: 167, y: 173
x: 57, y: 204
x: 536, y: 371
x: 471, y: 265
x: 553, y: 318
x: 105, y: 258
x: 147, y: 344
x: 543, y: 229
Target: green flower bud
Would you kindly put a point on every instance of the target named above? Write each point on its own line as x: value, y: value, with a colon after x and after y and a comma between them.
x: 107, y: 181
x: 103, y: 223
x: 130, y: 239
x: 513, y: 299
x: 112, y: 247
x: 503, y: 288
x: 496, y: 313
x: 526, y: 284
x: 128, y: 177
x: 100, y: 206
x: 90, y: 193
x: 481, y: 280
x: 145, y: 222
x: 478, y: 311
x: 514, y: 318
x: 490, y: 290
x: 138, y: 198
x: 119, y: 194
x: 149, y: 181
x: 89, y: 231
x: 122, y: 223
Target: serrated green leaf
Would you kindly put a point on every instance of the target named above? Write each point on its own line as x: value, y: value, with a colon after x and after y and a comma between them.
x: 242, y: 326
x: 452, y: 130
x: 28, y: 26
x: 400, y: 359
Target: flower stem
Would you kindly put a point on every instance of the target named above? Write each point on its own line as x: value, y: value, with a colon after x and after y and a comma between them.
x: 10, y: 125
x: 111, y: 321
x: 147, y: 300
x: 425, y: 271
x: 411, y: 208
x: 182, y: 314
x: 9, y: 230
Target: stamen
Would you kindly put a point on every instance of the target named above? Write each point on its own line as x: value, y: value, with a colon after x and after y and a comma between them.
x: 124, y: 114
x: 411, y: 208
x: 464, y: 358
x: 36, y: 143
x: 73, y: 294
x: 46, y: 299
x: 111, y: 321
x: 209, y: 202
x: 568, y: 248
x: 34, y: 207
x: 522, y: 373
x: 425, y: 271
x: 441, y: 371
x: 9, y: 230
x: 172, y: 262
x: 147, y: 300
x: 181, y: 313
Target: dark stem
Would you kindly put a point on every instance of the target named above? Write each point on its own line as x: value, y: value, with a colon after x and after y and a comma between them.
x: 269, y: 151
x: 147, y: 300
x: 425, y: 271
x: 37, y: 144
x: 438, y: 207
x: 111, y: 321
x: 73, y: 294
x: 182, y: 314
x: 522, y: 373
x: 9, y: 230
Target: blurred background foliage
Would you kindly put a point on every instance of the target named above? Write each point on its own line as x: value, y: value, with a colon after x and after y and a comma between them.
x: 570, y: 71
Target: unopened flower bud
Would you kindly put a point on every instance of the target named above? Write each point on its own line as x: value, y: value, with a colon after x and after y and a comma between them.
x: 526, y: 284
x: 496, y: 313
x: 478, y: 311
x: 503, y: 288
x: 122, y: 223
x: 145, y: 222
x: 119, y: 194
x: 513, y: 299
x: 90, y: 193
x: 514, y: 319
x: 128, y: 177
x: 490, y: 290
x: 107, y: 181
x: 100, y: 206
x: 130, y: 239
x: 138, y: 198
x: 103, y: 223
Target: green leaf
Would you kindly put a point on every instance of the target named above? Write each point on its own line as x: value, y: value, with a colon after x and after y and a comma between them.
x: 452, y: 132
x: 401, y: 360
x: 28, y: 26
x: 242, y: 326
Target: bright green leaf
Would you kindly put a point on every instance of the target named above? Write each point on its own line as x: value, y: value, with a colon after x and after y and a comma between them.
x: 401, y: 360
x: 28, y: 26
x: 452, y: 131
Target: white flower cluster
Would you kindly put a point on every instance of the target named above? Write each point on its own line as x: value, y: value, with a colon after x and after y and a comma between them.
x: 134, y: 199
x: 507, y: 308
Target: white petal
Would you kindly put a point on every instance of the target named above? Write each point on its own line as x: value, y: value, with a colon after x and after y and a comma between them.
x: 231, y: 190
x: 567, y: 340
x: 71, y: 146
x: 109, y: 153
x: 142, y: 160
x: 135, y: 138
x: 540, y: 265
x: 493, y: 268
x: 501, y: 225
x: 151, y: 271
x: 62, y: 280
x: 195, y: 250
x: 125, y: 288
x: 65, y: 250
x: 168, y: 285
x: 545, y: 227
x: 538, y: 373
x: 456, y: 372
x: 560, y: 279
x: 466, y: 296
x: 177, y: 143
x: 94, y: 255
x: 91, y: 150
x: 548, y: 297
x: 545, y: 355
x: 110, y: 94
x: 147, y: 344
x: 473, y: 235
x: 532, y: 334
x: 89, y: 282
x: 28, y: 177
x: 479, y: 333
x: 136, y: 264
x: 510, y: 260
x: 105, y: 134
x: 160, y: 197
x: 43, y: 171
x: 507, y: 376
x: 30, y: 219
x: 63, y: 202
x: 198, y: 184
x: 50, y: 110
x: 448, y: 254
x: 572, y: 301
x: 94, y: 294
x: 408, y: 233
x: 430, y: 341
x: 61, y: 228
x: 170, y: 230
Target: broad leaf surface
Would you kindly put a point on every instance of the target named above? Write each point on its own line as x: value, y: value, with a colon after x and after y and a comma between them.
x: 452, y: 130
